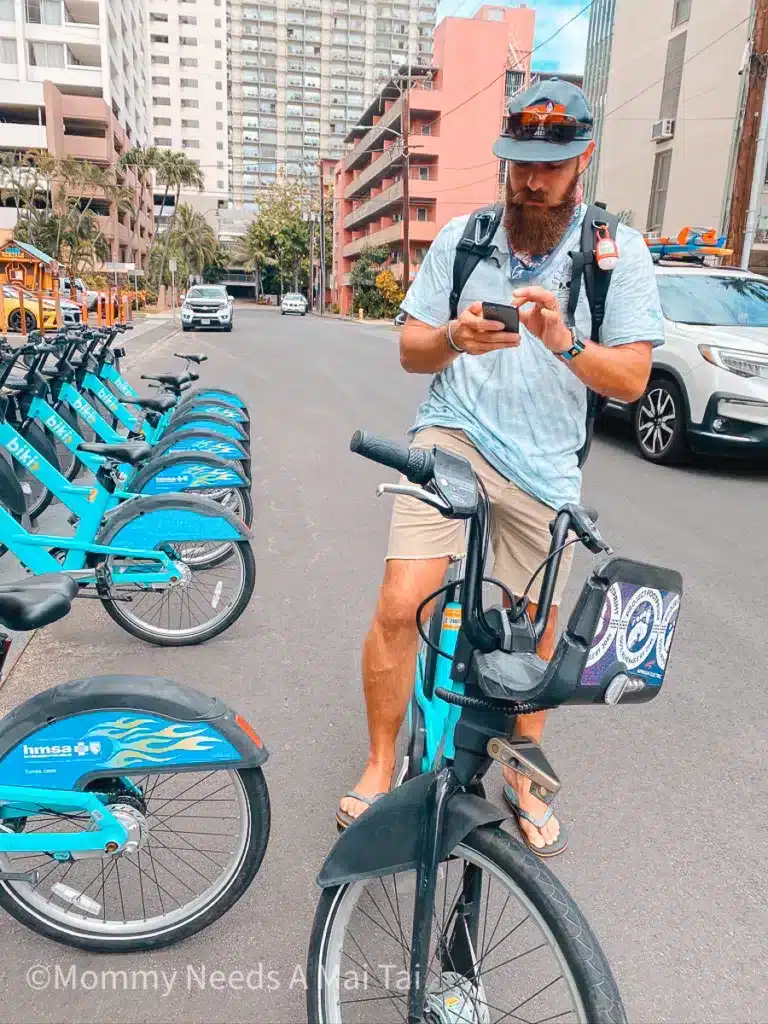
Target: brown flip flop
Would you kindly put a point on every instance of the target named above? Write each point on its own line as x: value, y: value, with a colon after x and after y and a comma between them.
x: 559, y: 845
x: 343, y: 819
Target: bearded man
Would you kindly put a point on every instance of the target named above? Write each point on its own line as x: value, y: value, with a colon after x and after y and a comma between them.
x: 513, y: 404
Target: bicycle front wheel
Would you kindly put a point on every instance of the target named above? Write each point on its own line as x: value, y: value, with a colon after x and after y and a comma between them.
x: 508, y: 944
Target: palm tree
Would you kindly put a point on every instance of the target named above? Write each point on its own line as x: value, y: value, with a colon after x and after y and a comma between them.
x: 143, y: 162
x: 177, y: 171
x: 194, y: 238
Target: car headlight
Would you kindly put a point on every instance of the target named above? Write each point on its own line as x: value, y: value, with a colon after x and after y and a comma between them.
x: 744, y: 364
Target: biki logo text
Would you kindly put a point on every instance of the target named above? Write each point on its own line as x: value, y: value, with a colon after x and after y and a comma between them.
x: 59, y: 428
x: 23, y: 453
x: 86, y: 411
x: 107, y: 398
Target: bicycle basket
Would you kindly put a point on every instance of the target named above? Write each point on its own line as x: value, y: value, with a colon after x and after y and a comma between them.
x: 617, y: 643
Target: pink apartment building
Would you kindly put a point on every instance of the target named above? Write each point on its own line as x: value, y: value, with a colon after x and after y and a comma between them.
x: 456, y: 110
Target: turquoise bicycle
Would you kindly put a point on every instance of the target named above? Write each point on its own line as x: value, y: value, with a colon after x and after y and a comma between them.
x: 133, y: 811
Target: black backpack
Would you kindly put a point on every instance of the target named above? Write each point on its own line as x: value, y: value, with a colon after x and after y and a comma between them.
x: 476, y: 244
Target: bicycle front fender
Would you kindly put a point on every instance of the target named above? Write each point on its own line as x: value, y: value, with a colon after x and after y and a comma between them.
x: 387, y: 837
x: 86, y: 728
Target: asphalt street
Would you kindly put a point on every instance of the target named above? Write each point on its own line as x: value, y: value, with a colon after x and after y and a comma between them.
x: 666, y: 802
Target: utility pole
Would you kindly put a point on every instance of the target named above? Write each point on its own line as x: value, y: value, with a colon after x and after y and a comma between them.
x: 405, y: 122
x: 750, y: 157
x: 321, y: 298
x: 311, y: 295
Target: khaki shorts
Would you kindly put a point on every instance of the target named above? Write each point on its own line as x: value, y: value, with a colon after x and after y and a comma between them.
x: 520, y: 534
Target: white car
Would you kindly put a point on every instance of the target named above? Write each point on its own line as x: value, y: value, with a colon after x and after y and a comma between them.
x: 708, y: 391
x: 207, y: 305
x: 293, y: 302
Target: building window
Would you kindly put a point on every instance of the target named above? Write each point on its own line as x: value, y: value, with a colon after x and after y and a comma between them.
x: 219, y: 105
x: 190, y: 104
x: 426, y: 129
x: 681, y: 12
x: 7, y: 13
x: 190, y: 144
x: 424, y: 174
x: 659, y: 187
x: 160, y: 59
x: 188, y: 83
x: 188, y: 62
x: 46, y: 55
x: 187, y: 41
x: 219, y: 145
x: 158, y: 39
x: 673, y: 75
x: 220, y: 165
x: 161, y: 101
x: 421, y: 213
x: 217, y: 65
x: 190, y: 124
x: 162, y: 141
x: 219, y: 126
x: 187, y: 19
x: 161, y: 122
x: 217, y: 44
x: 219, y: 86
x: 44, y: 12
x: 8, y: 51
x: 220, y: 184
x: 160, y: 80
x: 217, y: 23
x: 152, y: 17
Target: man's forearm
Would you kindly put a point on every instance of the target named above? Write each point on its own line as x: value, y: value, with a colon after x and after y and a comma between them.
x: 425, y: 349
x: 621, y: 372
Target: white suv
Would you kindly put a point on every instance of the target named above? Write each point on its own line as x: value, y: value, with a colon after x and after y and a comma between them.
x: 708, y: 390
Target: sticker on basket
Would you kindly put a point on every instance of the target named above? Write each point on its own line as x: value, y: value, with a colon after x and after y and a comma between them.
x: 635, y: 632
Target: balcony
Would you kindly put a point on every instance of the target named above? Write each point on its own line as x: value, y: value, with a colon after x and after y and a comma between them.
x: 385, y: 236
x: 377, y: 169
x: 390, y: 120
x: 374, y: 207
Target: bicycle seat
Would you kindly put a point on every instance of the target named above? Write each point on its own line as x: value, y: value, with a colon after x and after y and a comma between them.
x: 131, y: 452
x: 192, y: 357
x: 160, y: 404
x: 174, y: 379
x: 30, y: 604
x: 512, y: 677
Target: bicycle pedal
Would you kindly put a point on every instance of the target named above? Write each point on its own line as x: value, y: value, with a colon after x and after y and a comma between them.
x: 526, y: 757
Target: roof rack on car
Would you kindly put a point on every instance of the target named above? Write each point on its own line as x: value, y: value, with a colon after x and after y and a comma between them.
x: 692, y: 245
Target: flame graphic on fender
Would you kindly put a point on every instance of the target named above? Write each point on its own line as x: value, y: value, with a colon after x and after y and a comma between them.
x: 139, y: 741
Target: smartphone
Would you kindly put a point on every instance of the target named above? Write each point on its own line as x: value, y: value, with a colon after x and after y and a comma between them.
x: 507, y: 315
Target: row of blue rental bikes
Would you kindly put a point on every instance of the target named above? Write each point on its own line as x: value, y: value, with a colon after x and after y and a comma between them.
x: 134, y: 811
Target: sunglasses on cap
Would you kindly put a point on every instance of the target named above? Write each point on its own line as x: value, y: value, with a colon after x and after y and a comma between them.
x: 545, y: 126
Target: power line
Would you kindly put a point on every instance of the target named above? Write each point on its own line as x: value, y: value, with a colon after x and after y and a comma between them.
x: 686, y: 61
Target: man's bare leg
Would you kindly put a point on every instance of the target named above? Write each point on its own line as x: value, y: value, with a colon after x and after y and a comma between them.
x: 389, y: 661
x: 532, y: 727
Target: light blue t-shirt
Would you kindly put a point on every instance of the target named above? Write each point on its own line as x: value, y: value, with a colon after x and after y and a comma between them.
x: 523, y: 408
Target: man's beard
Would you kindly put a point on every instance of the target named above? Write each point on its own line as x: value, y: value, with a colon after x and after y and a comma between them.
x: 537, y: 229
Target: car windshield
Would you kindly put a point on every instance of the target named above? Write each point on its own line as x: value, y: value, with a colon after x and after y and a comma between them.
x: 293, y: 296
x: 714, y: 300
x: 207, y: 293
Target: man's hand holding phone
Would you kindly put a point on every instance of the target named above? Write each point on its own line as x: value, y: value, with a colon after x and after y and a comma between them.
x: 476, y: 334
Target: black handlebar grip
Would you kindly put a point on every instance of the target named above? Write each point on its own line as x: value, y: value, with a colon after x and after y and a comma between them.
x: 591, y: 512
x: 415, y: 463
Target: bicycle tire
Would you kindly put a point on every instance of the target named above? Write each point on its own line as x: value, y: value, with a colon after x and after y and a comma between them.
x: 257, y: 797
x: 241, y: 549
x: 572, y: 936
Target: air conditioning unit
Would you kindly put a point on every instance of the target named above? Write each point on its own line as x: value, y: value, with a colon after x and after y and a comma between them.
x: 663, y: 129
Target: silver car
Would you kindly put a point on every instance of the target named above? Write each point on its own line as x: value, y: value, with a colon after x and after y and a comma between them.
x: 293, y: 302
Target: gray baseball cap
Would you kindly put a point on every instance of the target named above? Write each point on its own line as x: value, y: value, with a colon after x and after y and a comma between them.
x: 549, y: 121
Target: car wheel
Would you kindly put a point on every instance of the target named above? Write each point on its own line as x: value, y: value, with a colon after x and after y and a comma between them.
x: 14, y: 321
x: 186, y: 327
x: 659, y: 422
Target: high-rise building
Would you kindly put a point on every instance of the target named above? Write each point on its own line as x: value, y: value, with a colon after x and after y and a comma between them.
x: 75, y: 76
x: 455, y: 111
x: 303, y: 71
x: 188, y: 54
x: 666, y: 80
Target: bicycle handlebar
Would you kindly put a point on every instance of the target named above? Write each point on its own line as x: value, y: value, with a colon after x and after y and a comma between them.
x: 415, y: 463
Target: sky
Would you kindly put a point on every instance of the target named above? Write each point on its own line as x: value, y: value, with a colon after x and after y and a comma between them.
x: 565, y: 53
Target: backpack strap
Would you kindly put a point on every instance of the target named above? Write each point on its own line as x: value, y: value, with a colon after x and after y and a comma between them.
x: 596, y: 284
x: 476, y: 244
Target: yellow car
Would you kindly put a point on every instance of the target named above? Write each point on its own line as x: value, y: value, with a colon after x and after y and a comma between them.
x: 70, y: 311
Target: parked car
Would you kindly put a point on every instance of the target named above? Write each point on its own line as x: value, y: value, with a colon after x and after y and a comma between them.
x: 82, y: 291
x: 207, y: 305
x: 708, y: 390
x: 293, y: 302
x: 70, y: 311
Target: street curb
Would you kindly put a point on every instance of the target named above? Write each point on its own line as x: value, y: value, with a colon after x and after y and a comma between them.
x: 21, y: 641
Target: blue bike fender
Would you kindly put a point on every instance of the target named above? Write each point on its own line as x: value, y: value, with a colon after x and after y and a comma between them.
x: 173, y: 472
x: 65, y: 736
x: 150, y: 521
x: 386, y: 838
